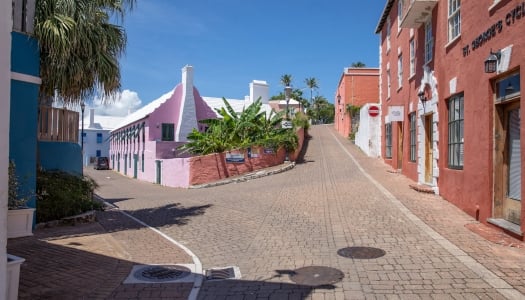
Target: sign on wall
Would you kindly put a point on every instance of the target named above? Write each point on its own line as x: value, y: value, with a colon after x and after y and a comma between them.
x: 234, y: 157
x: 396, y: 113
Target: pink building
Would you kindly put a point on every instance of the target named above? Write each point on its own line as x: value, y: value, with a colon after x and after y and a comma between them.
x: 356, y: 87
x: 451, y: 97
x: 144, y: 145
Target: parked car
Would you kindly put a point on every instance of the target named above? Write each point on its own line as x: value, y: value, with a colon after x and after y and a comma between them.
x: 102, y: 163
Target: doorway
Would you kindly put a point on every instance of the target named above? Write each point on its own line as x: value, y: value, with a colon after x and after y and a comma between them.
x: 400, y: 145
x: 429, y: 153
x: 507, y: 179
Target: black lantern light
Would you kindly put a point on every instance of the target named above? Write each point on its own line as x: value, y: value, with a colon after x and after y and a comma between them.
x: 491, y: 63
x: 338, y: 99
x: 423, y: 99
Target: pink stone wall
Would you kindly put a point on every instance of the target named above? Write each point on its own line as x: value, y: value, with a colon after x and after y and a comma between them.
x: 213, y: 167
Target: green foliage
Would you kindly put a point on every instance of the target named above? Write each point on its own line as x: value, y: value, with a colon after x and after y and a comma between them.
x: 60, y: 194
x: 358, y: 64
x: 14, y: 200
x: 322, y: 111
x: 353, y: 110
x: 286, y: 80
x: 301, y: 121
x: 80, y: 47
x: 240, y: 131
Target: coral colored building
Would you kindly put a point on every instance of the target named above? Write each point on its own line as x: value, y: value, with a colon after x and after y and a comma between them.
x: 448, y: 121
x: 356, y: 87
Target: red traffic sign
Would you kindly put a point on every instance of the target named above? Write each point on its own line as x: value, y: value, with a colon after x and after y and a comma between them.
x: 373, y: 110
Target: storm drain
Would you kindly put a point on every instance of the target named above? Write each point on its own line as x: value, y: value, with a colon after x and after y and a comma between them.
x: 223, y: 273
x: 316, y: 276
x: 361, y: 252
x: 160, y: 274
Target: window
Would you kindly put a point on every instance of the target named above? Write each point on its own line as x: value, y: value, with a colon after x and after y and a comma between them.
x: 387, y: 34
x: 508, y: 87
x: 388, y: 140
x: 168, y: 131
x: 399, y: 14
x: 99, y: 153
x: 455, y: 132
x: 454, y: 19
x: 412, y: 57
x: 429, y: 41
x: 388, y: 83
x: 400, y: 70
x: 99, y: 138
x: 412, y: 120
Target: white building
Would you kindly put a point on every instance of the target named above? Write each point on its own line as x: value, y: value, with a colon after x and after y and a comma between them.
x: 96, y: 135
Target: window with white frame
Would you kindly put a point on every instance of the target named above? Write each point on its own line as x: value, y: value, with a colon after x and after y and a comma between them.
x: 412, y: 120
x: 429, y: 41
x: 388, y: 83
x: 400, y: 70
x: 388, y: 140
x: 388, y: 34
x: 399, y: 13
x: 455, y: 132
x: 454, y: 19
x: 412, y: 57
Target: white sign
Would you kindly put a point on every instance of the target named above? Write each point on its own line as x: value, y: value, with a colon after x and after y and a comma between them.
x: 396, y: 113
x: 286, y: 124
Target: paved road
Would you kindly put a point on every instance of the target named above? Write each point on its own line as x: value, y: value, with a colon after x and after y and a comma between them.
x: 273, y: 226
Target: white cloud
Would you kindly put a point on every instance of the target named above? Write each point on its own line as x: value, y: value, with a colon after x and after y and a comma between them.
x: 121, y: 105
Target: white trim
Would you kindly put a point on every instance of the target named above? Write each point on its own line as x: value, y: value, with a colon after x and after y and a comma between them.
x: 26, y: 78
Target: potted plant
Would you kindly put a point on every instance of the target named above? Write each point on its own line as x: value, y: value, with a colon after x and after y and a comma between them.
x: 19, y: 216
x: 13, y: 276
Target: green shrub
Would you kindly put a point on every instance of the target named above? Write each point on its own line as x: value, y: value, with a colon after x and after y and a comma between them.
x: 60, y: 195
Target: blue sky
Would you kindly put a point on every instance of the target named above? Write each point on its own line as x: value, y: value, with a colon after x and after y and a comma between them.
x: 232, y: 42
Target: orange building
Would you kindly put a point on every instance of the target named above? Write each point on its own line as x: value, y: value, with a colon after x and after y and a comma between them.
x: 356, y: 87
x: 451, y: 97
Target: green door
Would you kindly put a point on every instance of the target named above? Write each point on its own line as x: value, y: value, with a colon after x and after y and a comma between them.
x: 126, y: 164
x: 118, y: 162
x: 135, y: 164
x: 159, y: 173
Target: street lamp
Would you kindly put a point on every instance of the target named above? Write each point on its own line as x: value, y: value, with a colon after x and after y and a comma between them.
x: 287, y: 94
x: 82, y: 107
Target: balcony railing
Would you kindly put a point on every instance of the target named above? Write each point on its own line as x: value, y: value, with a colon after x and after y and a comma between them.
x: 23, y: 15
x: 417, y: 13
x: 57, y: 125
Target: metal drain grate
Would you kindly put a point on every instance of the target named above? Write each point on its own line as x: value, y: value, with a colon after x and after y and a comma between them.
x: 361, y: 252
x: 316, y: 276
x: 223, y: 273
x: 161, y: 273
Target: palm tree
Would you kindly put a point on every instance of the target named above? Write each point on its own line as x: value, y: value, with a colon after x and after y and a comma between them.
x: 286, y: 80
x: 312, y: 84
x: 358, y: 64
x: 79, y: 47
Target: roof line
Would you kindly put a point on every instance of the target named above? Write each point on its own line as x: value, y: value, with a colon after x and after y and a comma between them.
x: 386, y: 12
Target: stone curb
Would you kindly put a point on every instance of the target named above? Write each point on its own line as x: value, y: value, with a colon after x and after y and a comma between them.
x: 245, y: 177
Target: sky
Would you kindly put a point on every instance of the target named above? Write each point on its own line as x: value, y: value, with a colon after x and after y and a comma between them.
x: 229, y: 43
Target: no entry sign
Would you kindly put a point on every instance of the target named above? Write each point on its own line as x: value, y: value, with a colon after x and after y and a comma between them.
x: 373, y: 110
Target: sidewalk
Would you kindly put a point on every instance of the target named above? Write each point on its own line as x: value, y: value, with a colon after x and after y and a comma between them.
x: 91, y: 261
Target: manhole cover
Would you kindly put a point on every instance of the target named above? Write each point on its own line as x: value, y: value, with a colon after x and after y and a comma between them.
x: 161, y: 273
x: 361, y: 252
x: 316, y: 276
x: 223, y: 273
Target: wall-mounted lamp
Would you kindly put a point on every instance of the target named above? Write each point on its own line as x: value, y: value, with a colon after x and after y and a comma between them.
x: 423, y: 99
x: 338, y: 99
x: 491, y: 63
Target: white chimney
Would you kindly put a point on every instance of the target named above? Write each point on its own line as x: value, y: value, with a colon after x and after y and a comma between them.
x: 188, y: 111
x: 259, y: 88
x: 91, y: 117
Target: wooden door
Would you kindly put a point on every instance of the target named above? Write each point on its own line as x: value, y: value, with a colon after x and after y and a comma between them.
x: 400, y: 145
x: 429, y: 154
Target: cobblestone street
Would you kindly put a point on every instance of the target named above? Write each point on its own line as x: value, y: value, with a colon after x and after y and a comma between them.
x: 273, y: 226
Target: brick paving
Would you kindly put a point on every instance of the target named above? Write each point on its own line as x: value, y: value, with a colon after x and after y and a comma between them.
x: 271, y: 226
